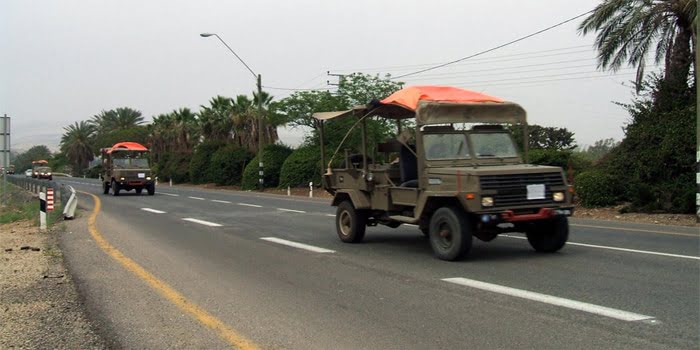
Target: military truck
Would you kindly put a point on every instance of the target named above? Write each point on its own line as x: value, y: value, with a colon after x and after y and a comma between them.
x: 36, y: 164
x: 11, y: 169
x: 125, y: 167
x: 43, y: 172
x: 456, y: 175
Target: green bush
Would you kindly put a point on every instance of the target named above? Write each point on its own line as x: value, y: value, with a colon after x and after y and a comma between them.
x: 596, y: 188
x: 173, y: 166
x: 200, y: 170
x: 227, y: 164
x: 550, y: 157
x: 301, y: 167
x: 273, y: 158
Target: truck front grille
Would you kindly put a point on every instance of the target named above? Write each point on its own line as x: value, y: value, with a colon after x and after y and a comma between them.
x: 511, y: 190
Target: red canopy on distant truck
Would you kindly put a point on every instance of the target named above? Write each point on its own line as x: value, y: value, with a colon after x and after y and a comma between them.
x: 410, y: 96
x: 127, y: 146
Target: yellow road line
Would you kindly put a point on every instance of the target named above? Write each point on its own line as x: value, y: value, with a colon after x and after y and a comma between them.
x: 638, y: 230
x: 225, y: 332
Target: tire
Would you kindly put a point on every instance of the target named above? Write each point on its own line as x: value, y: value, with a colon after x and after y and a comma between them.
x: 115, y: 188
x: 105, y: 187
x: 450, y: 234
x: 139, y: 190
x: 549, y: 236
x: 151, y: 190
x: 350, y: 223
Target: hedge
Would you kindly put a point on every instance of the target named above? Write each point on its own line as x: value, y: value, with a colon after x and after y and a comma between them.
x: 596, y: 188
x: 301, y: 167
x: 273, y: 158
x: 200, y: 170
x: 227, y: 164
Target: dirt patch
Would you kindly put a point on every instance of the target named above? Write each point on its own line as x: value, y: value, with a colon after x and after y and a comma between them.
x: 39, y: 306
x: 613, y: 213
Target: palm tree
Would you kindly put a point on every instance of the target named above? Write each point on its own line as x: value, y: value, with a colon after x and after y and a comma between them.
x: 629, y: 30
x: 121, y: 118
x: 76, y: 144
x: 215, y: 120
x: 245, y: 121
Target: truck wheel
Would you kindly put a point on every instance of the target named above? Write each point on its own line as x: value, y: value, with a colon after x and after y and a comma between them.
x: 139, y: 190
x: 151, y: 190
x: 105, y: 187
x: 549, y: 236
x: 350, y: 223
x: 450, y: 234
x: 115, y: 188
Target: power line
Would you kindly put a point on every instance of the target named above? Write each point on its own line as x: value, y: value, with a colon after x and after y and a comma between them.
x: 494, y: 48
x: 535, y: 82
x: 410, y: 66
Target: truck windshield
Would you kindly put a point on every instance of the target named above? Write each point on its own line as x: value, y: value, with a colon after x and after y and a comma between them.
x: 130, y: 163
x: 446, y: 146
x: 496, y: 145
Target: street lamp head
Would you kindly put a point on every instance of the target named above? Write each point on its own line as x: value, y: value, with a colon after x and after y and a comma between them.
x: 206, y: 35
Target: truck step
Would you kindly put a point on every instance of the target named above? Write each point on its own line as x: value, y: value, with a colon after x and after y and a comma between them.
x: 404, y: 219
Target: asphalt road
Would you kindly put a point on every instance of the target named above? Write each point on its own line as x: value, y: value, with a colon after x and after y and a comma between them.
x: 616, y: 285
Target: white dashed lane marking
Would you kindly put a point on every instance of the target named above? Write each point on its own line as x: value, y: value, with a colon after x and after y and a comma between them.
x: 220, y: 201
x: 552, y: 300
x: 197, y: 198
x: 310, y: 248
x: 292, y: 210
x: 250, y: 205
x: 170, y: 194
x: 202, y: 222
x: 153, y: 210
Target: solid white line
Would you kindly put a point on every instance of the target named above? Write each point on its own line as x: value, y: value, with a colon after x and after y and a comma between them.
x: 197, y: 198
x: 292, y: 210
x: 220, y: 201
x: 623, y: 249
x: 250, y: 205
x: 153, y: 210
x: 207, y: 223
x: 169, y: 194
x: 297, y: 245
x: 549, y: 299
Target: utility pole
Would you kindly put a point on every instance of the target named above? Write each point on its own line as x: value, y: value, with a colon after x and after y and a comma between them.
x: 5, y: 134
x: 261, y: 177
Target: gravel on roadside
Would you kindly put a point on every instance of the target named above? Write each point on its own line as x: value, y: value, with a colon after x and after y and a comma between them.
x: 39, y: 305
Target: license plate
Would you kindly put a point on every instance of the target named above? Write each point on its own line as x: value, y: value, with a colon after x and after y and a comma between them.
x: 142, y: 175
x: 535, y: 192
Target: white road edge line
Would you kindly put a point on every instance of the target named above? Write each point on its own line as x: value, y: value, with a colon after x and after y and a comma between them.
x: 552, y: 300
x: 297, y: 245
x: 623, y: 249
x: 202, y: 222
x: 292, y: 210
x: 153, y: 210
x: 250, y: 205
x: 197, y: 198
x: 170, y: 194
x: 220, y: 201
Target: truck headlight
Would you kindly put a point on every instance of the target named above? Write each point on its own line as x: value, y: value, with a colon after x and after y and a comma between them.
x: 121, y: 178
x: 487, y: 201
x: 36, y: 173
x: 148, y: 178
x: 558, y: 196
x: 48, y: 173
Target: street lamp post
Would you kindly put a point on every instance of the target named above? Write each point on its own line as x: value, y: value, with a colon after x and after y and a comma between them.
x: 260, y: 109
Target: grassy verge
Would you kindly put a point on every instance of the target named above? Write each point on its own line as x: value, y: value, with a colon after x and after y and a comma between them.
x: 18, y: 205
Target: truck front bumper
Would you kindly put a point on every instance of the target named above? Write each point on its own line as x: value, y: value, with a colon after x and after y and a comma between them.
x: 509, y: 216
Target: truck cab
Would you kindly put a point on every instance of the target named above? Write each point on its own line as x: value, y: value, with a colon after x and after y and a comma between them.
x: 126, y: 167
x: 456, y: 175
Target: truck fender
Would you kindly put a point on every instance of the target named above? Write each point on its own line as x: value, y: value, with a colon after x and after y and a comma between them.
x: 359, y: 200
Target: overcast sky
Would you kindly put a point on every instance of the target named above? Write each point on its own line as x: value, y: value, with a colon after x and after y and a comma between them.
x: 65, y: 61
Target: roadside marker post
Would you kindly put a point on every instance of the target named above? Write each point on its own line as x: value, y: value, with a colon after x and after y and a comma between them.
x: 49, y: 199
x: 311, y: 190
x: 42, y: 211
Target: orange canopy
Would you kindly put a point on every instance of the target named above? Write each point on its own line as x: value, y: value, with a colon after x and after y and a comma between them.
x: 410, y: 96
x: 40, y: 161
x: 127, y: 146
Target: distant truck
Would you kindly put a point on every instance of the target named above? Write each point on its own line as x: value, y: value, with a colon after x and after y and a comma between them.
x: 125, y: 167
x: 43, y: 172
x: 11, y: 170
x: 36, y: 164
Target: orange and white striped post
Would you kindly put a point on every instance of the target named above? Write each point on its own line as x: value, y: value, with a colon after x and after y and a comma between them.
x: 49, y: 199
